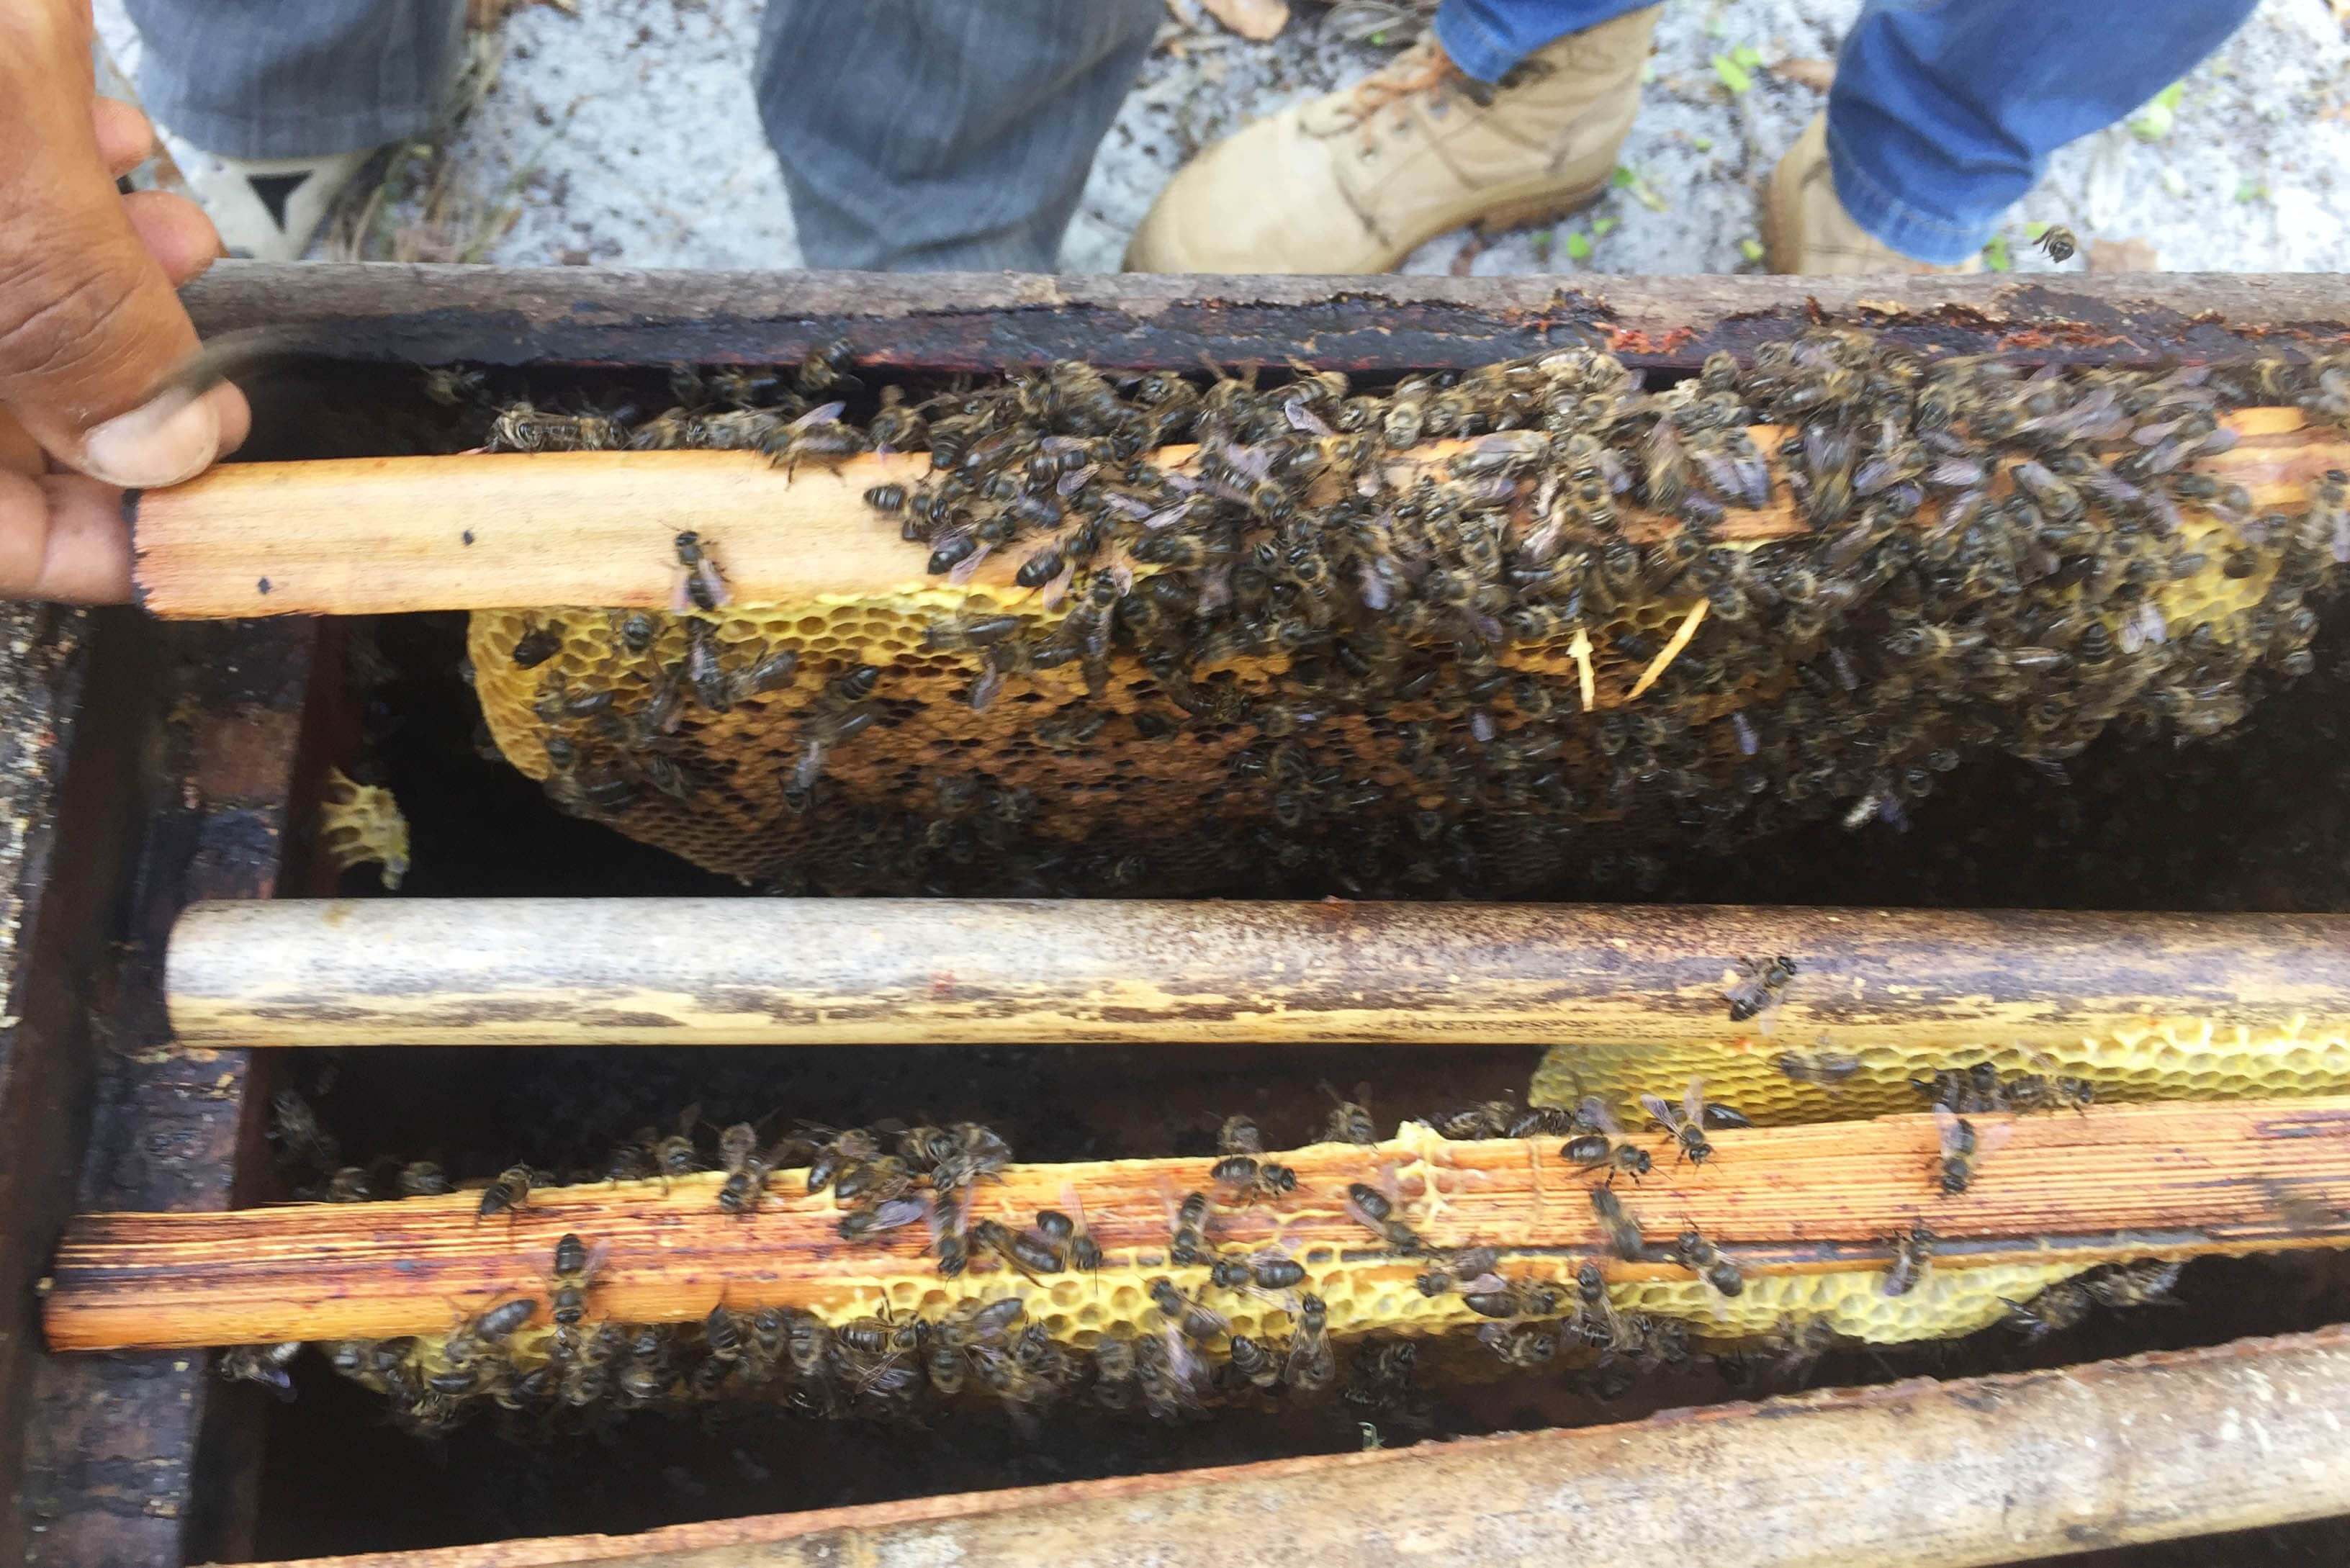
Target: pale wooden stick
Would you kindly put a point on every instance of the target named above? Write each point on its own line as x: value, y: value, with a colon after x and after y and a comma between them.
x: 685, y: 971
x: 1924, y: 1473
x: 499, y: 531
x: 2120, y: 1181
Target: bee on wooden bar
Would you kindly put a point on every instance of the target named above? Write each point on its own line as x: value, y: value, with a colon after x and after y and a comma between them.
x: 575, y: 1271
x: 1189, y: 1245
x: 1913, y: 1256
x: 1243, y: 1179
x: 1686, y: 1124
x: 746, y: 1169
x: 1758, y: 990
x: 700, y: 583
x: 1954, y: 1164
x: 509, y: 1193
x: 1622, y: 1230
x: 422, y: 1179
x: 1703, y: 1259
x: 889, y: 1214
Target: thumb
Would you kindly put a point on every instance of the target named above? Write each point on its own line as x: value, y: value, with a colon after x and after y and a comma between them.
x: 90, y: 327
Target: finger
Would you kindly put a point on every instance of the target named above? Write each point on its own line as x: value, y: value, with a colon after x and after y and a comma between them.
x: 62, y: 537
x: 235, y: 416
x: 126, y: 138
x: 89, y: 324
x: 175, y: 232
x: 19, y: 453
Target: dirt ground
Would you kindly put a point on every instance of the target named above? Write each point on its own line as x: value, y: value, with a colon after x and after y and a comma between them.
x: 624, y: 135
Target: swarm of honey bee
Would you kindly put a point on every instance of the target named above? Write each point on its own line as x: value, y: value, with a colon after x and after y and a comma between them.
x: 1295, y: 662
x: 1215, y: 1321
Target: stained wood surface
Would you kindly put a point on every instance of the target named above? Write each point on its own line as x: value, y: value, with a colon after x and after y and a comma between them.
x: 384, y: 312
x: 130, y: 1461
x: 1924, y: 1473
x: 689, y: 972
x: 511, y: 530
x: 2170, y: 1180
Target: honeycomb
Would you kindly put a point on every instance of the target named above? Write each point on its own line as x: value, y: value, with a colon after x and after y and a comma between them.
x: 1490, y: 736
x: 2158, y: 1059
x: 361, y: 825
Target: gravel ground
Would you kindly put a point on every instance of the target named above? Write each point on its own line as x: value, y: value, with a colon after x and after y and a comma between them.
x: 625, y: 135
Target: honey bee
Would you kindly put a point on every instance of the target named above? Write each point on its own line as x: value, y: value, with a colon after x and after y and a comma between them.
x: 484, y: 1334
x: 1760, y: 989
x: 701, y: 585
x: 450, y: 385
x: 1827, y: 1068
x: 1068, y: 1232
x: 1369, y: 1208
x: 1518, y: 1344
x: 1350, y: 1120
x: 1197, y: 1323
x: 1309, y: 1364
x: 1954, y: 1165
x: 263, y: 1364
x: 1189, y: 1229
x: 1243, y: 1179
x: 1913, y: 1257
x: 1239, y: 1135
x: 1623, y: 1231
x: 2061, y: 1306
x: 575, y: 1271
x: 422, y: 1179
x: 2131, y: 1284
x: 1686, y: 1125
x: 538, y: 645
x: 1703, y: 1259
x: 2058, y: 242
x: 825, y: 368
x: 509, y: 1192
x: 817, y: 436
x: 746, y: 1169
x: 888, y: 1214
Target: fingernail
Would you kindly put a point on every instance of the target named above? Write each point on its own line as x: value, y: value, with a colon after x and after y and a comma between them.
x: 159, y: 442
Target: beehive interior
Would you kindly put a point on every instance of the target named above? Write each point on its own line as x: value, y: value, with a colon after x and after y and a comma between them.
x: 2249, y: 819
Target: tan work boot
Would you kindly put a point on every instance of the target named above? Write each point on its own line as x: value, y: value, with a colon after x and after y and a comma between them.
x: 1355, y: 180
x: 1807, y: 230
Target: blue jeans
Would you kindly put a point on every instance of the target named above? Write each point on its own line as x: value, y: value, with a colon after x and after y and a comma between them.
x: 1944, y: 112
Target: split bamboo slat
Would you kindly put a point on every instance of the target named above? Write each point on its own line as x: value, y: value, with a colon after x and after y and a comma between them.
x: 913, y: 970
x: 2155, y: 1180
x: 497, y: 531
x: 1929, y: 1474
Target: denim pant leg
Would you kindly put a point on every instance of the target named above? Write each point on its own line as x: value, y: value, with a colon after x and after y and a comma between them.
x: 294, y: 78
x: 943, y: 135
x: 1486, y: 37
x: 1944, y: 112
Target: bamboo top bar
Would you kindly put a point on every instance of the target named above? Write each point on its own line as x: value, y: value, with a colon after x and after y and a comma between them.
x: 1926, y: 1473
x: 690, y: 972
x: 510, y: 530
x: 2141, y: 1180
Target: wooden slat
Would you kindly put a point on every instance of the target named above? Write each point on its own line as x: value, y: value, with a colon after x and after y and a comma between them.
x: 382, y: 312
x: 2134, y: 1181
x: 914, y: 970
x: 502, y: 530
x: 1926, y: 1474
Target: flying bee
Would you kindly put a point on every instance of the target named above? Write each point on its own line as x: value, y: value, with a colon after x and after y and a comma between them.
x: 1686, y: 1125
x: 1242, y: 1179
x: 1703, y: 1259
x: 575, y: 1271
x: 1623, y: 1230
x: 701, y: 585
x: 1350, y: 1120
x: 1758, y: 990
x: 1913, y: 1256
x: 263, y: 1364
x: 509, y: 1193
x: 2132, y: 1284
x: 1197, y: 1323
x: 2058, y: 242
x: 1239, y: 1135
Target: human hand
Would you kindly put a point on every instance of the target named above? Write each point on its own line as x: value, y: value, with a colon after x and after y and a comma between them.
x: 90, y: 325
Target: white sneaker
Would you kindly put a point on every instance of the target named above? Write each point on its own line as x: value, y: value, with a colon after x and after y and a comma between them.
x: 267, y: 208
